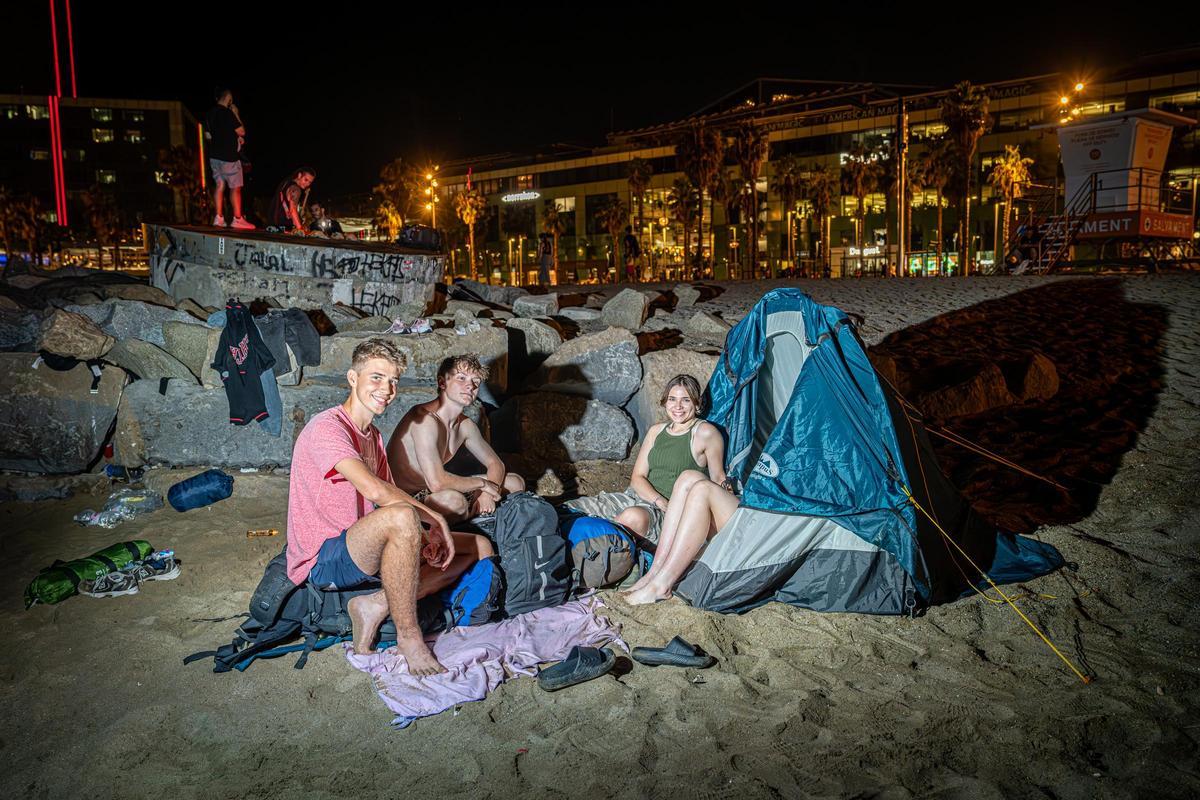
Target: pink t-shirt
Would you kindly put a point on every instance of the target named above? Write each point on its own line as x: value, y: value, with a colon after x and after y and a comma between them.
x: 321, y: 502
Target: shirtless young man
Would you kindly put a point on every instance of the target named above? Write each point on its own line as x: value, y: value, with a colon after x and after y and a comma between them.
x: 349, y: 525
x: 430, y: 434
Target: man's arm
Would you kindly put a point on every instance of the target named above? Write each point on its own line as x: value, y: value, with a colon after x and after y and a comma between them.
x: 496, y: 471
x: 383, y: 493
x: 293, y: 206
x: 429, y: 460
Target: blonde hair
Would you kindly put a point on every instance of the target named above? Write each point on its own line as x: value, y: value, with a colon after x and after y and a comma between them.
x: 377, y: 348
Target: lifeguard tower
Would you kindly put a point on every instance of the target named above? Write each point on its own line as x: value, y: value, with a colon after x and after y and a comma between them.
x: 1119, y: 208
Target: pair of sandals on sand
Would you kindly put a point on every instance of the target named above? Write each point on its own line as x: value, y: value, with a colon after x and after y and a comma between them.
x: 585, y: 663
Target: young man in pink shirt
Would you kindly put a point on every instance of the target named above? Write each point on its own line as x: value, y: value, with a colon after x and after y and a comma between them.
x: 349, y: 525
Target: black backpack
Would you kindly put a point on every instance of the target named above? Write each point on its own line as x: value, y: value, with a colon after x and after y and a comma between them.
x: 533, y: 554
x: 280, y: 611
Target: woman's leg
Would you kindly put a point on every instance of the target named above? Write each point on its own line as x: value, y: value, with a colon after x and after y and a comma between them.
x: 636, y: 519
x: 679, y: 498
x: 708, y: 508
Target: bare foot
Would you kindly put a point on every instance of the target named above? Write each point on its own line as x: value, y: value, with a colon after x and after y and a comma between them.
x: 640, y: 583
x: 367, y: 614
x: 647, y: 594
x: 419, y: 657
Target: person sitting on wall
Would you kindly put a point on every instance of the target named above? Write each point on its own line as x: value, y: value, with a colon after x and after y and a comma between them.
x: 431, y: 433
x: 322, y: 224
x: 350, y: 526
x: 684, y: 442
x: 288, y: 201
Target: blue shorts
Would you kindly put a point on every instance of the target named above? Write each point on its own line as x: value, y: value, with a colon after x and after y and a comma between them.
x: 335, y: 569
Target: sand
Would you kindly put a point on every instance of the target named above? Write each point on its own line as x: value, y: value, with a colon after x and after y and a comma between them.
x: 964, y: 702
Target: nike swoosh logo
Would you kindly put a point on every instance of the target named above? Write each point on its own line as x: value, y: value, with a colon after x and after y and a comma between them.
x: 540, y: 564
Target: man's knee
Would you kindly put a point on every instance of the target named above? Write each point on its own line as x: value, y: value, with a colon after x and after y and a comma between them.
x: 449, y: 503
x: 399, y: 523
x: 514, y: 482
x: 483, y: 546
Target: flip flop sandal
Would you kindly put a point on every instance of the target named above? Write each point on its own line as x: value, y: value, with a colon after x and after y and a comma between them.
x: 581, y: 664
x: 678, y: 653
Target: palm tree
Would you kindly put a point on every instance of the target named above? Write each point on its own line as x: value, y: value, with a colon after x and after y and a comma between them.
x: 965, y: 113
x: 100, y: 206
x: 749, y: 148
x: 555, y: 225
x: 178, y: 166
x: 937, y: 167
x: 819, y: 186
x: 614, y: 216
x: 786, y: 182
x: 398, y: 194
x: 683, y: 200
x: 1009, y: 174
x: 639, y: 172
x: 860, y: 177
x: 471, y: 206
x: 700, y: 152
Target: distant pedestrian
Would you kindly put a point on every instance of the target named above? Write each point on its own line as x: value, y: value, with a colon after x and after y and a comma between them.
x: 225, y: 134
x: 633, y: 251
x: 545, y: 258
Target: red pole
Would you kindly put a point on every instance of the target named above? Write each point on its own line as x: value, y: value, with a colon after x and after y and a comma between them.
x: 71, y: 48
x: 54, y: 40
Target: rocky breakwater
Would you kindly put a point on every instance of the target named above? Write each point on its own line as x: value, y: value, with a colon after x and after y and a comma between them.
x: 208, y: 266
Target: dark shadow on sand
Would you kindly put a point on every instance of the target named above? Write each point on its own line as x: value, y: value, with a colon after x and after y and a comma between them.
x: 1107, y: 352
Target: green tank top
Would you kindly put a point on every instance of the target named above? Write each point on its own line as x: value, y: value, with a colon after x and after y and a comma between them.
x: 671, y: 455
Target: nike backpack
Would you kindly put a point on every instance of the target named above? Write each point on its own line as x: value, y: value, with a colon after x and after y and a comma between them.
x: 533, y: 554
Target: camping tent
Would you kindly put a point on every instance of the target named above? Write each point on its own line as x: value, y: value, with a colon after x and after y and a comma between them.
x: 827, y: 457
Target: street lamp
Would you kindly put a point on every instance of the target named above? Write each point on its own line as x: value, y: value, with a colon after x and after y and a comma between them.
x: 431, y: 193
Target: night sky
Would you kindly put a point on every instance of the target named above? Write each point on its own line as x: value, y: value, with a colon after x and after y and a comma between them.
x: 345, y: 88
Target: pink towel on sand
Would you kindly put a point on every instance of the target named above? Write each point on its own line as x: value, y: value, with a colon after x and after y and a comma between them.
x: 478, y: 659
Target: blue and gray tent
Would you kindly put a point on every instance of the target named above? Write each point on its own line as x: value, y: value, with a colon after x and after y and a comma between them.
x: 827, y: 457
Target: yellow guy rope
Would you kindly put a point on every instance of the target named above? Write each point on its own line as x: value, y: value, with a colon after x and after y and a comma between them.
x: 992, y: 583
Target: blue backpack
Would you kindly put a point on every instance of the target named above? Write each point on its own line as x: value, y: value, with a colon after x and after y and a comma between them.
x: 603, y: 552
x: 280, y: 611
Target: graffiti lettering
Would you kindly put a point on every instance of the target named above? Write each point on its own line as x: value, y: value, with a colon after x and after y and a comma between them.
x: 248, y: 254
x: 374, y: 302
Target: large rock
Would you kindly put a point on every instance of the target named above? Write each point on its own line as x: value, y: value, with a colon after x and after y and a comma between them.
x: 686, y: 296
x: 66, y: 333
x: 341, y: 314
x: 140, y: 292
x: 19, y: 330
x: 705, y: 325
x: 557, y: 428
x: 130, y: 319
x: 536, y: 305
x: 474, y: 309
x: 1039, y: 380
x: 192, y: 307
x: 603, y: 366
x: 628, y: 309
x: 190, y: 424
x: 375, y: 324
x: 502, y: 295
x: 50, y: 421
x: 425, y: 352
x: 985, y: 390
x: 580, y: 314
x: 195, y: 347
x: 659, y: 367
x: 538, y: 340
x: 148, y: 361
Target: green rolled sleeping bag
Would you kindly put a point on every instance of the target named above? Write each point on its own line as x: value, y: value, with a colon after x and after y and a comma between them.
x: 61, y: 579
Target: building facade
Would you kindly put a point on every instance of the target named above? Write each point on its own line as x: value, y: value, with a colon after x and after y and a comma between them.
x: 817, y: 125
x: 112, y: 143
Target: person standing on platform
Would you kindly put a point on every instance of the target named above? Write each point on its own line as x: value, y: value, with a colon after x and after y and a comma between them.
x: 224, y: 134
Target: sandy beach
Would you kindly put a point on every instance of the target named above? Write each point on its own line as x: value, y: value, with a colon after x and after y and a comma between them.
x: 964, y: 702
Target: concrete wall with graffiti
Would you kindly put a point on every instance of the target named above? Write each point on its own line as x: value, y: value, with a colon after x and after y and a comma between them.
x: 305, y: 273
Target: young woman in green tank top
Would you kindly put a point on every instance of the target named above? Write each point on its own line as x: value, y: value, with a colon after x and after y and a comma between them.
x: 685, y: 442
